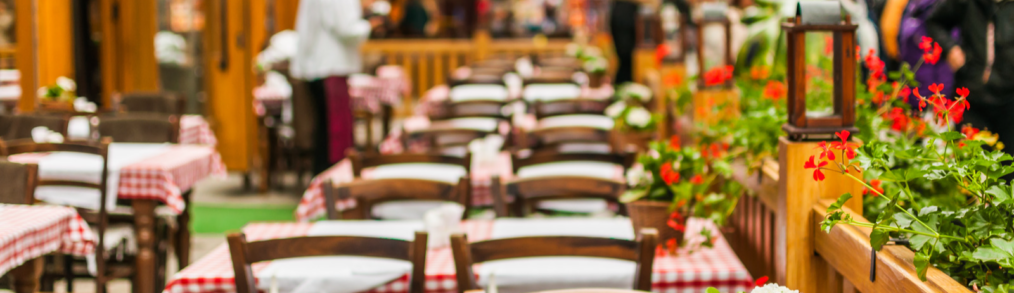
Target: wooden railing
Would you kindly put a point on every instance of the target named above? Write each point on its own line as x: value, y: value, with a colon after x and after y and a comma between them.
x: 7, y: 57
x: 429, y: 62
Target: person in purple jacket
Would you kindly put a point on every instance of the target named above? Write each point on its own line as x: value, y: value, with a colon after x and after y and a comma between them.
x: 911, y: 32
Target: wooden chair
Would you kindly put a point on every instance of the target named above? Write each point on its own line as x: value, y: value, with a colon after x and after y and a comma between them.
x: 529, y: 191
x: 17, y: 182
x: 244, y: 253
x: 141, y: 128
x: 490, y: 109
x: 164, y: 103
x: 368, y: 193
x: 359, y: 161
x: 20, y: 126
x: 641, y: 251
x: 569, y: 107
x: 98, y: 220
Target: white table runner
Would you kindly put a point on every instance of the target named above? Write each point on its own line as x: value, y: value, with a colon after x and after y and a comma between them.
x: 88, y: 168
x: 553, y: 273
x: 551, y: 92
x: 479, y: 92
x: 413, y: 209
x: 341, y: 274
x: 577, y: 120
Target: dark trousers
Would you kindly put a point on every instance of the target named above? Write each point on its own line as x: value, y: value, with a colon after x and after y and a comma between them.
x: 998, y: 118
x: 333, y: 134
x: 623, y: 27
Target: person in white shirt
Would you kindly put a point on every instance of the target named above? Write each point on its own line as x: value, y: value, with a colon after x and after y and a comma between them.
x: 330, y: 33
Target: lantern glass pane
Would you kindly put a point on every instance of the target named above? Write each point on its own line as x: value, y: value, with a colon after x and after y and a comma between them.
x: 819, y: 74
x: 714, y: 46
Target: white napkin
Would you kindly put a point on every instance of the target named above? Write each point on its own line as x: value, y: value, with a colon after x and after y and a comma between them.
x: 427, y: 171
x: 551, y: 273
x: 78, y: 128
x: 441, y: 222
x: 41, y: 134
x: 486, y: 124
x: 341, y: 274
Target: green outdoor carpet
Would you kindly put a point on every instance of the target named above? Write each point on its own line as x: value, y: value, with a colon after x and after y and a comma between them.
x: 221, y: 218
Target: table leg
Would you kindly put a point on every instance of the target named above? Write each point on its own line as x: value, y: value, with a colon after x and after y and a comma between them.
x: 26, y: 276
x: 144, y: 226
x: 183, y: 233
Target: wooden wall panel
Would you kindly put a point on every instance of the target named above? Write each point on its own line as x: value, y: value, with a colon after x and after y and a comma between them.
x: 285, y: 14
x: 45, y: 45
x: 128, y: 47
x: 26, y: 55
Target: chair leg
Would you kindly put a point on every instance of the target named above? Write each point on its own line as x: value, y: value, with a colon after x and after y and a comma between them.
x: 68, y: 272
x: 183, y: 232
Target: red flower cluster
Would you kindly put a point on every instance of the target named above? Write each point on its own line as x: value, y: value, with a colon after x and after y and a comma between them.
x: 672, y: 79
x: 931, y: 50
x: 761, y: 281
x: 899, y: 120
x: 714, y: 151
x: 718, y: 75
x: 875, y: 183
x: 969, y: 131
x: 875, y: 65
x: 775, y: 90
x: 943, y: 106
x: 677, y: 222
x: 827, y: 151
x: 674, y: 142
x: 660, y: 52
x: 668, y: 175
x: 697, y: 179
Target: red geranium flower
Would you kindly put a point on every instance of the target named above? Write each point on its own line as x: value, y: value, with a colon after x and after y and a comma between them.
x: 899, y: 120
x: 904, y: 93
x: 848, y: 147
x: 817, y: 175
x: 759, y: 72
x: 660, y: 52
x: 969, y: 131
x: 826, y: 151
x: 775, y: 90
x: 761, y: 281
x: 936, y: 88
x: 672, y: 80
x: 718, y: 75
x: 674, y: 142
x: 963, y: 92
x: 875, y: 183
x: 668, y: 175
x: 933, y: 56
x: 926, y: 44
x: 677, y: 222
x: 697, y: 179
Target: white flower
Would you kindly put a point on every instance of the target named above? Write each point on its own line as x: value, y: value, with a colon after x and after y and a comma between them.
x: 772, y: 288
x: 593, y: 52
x: 66, y: 84
x: 573, y: 49
x: 637, y: 176
x: 638, y: 117
x: 616, y: 109
x: 42, y: 92
x: 595, y: 65
x: 637, y: 91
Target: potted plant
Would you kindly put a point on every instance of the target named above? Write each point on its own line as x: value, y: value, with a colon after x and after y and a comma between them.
x: 671, y: 183
x: 595, y: 67
x: 634, y: 123
x: 58, y: 96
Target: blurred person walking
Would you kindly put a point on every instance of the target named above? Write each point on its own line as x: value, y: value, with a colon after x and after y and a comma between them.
x: 983, y: 59
x: 330, y: 34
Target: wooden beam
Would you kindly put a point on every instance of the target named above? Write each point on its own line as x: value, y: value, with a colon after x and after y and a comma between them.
x: 26, y: 56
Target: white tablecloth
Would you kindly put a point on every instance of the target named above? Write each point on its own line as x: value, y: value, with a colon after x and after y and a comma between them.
x: 88, y: 168
x: 577, y: 120
x: 479, y: 92
x: 413, y: 209
x: 551, y: 92
x: 599, y: 170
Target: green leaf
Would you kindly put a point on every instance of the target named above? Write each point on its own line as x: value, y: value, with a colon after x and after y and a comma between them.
x: 921, y: 264
x: 902, y: 220
x: 712, y: 290
x: 951, y: 136
x: 919, y: 241
x: 1000, y: 193
x: 633, y: 195
x: 839, y: 203
x: 878, y: 238
x: 1005, y: 245
x: 986, y: 253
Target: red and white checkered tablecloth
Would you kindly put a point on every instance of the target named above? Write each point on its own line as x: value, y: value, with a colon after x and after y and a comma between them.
x: 369, y: 92
x: 162, y: 177
x: 267, y: 97
x: 312, y: 205
x: 715, y: 267
x: 28, y: 232
x: 195, y: 130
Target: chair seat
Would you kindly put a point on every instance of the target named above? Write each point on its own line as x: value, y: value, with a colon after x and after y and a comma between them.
x: 551, y: 92
x: 405, y: 209
x: 478, y: 92
x: 577, y: 120
x: 446, y: 173
x: 600, y: 170
x: 577, y: 206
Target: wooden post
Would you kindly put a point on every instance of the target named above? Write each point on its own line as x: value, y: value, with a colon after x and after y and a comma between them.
x: 797, y: 265
x: 481, y: 40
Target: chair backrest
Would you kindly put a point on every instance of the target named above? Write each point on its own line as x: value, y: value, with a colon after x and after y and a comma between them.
x: 144, y: 128
x: 361, y: 161
x: 98, y: 220
x: 490, y: 109
x: 552, y: 138
x: 446, y: 142
x: 568, y: 107
x: 165, y: 103
x: 20, y: 126
x: 526, y: 192
x: 17, y: 182
x: 518, y: 162
x: 368, y: 193
x: 641, y: 251
x: 244, y: 253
